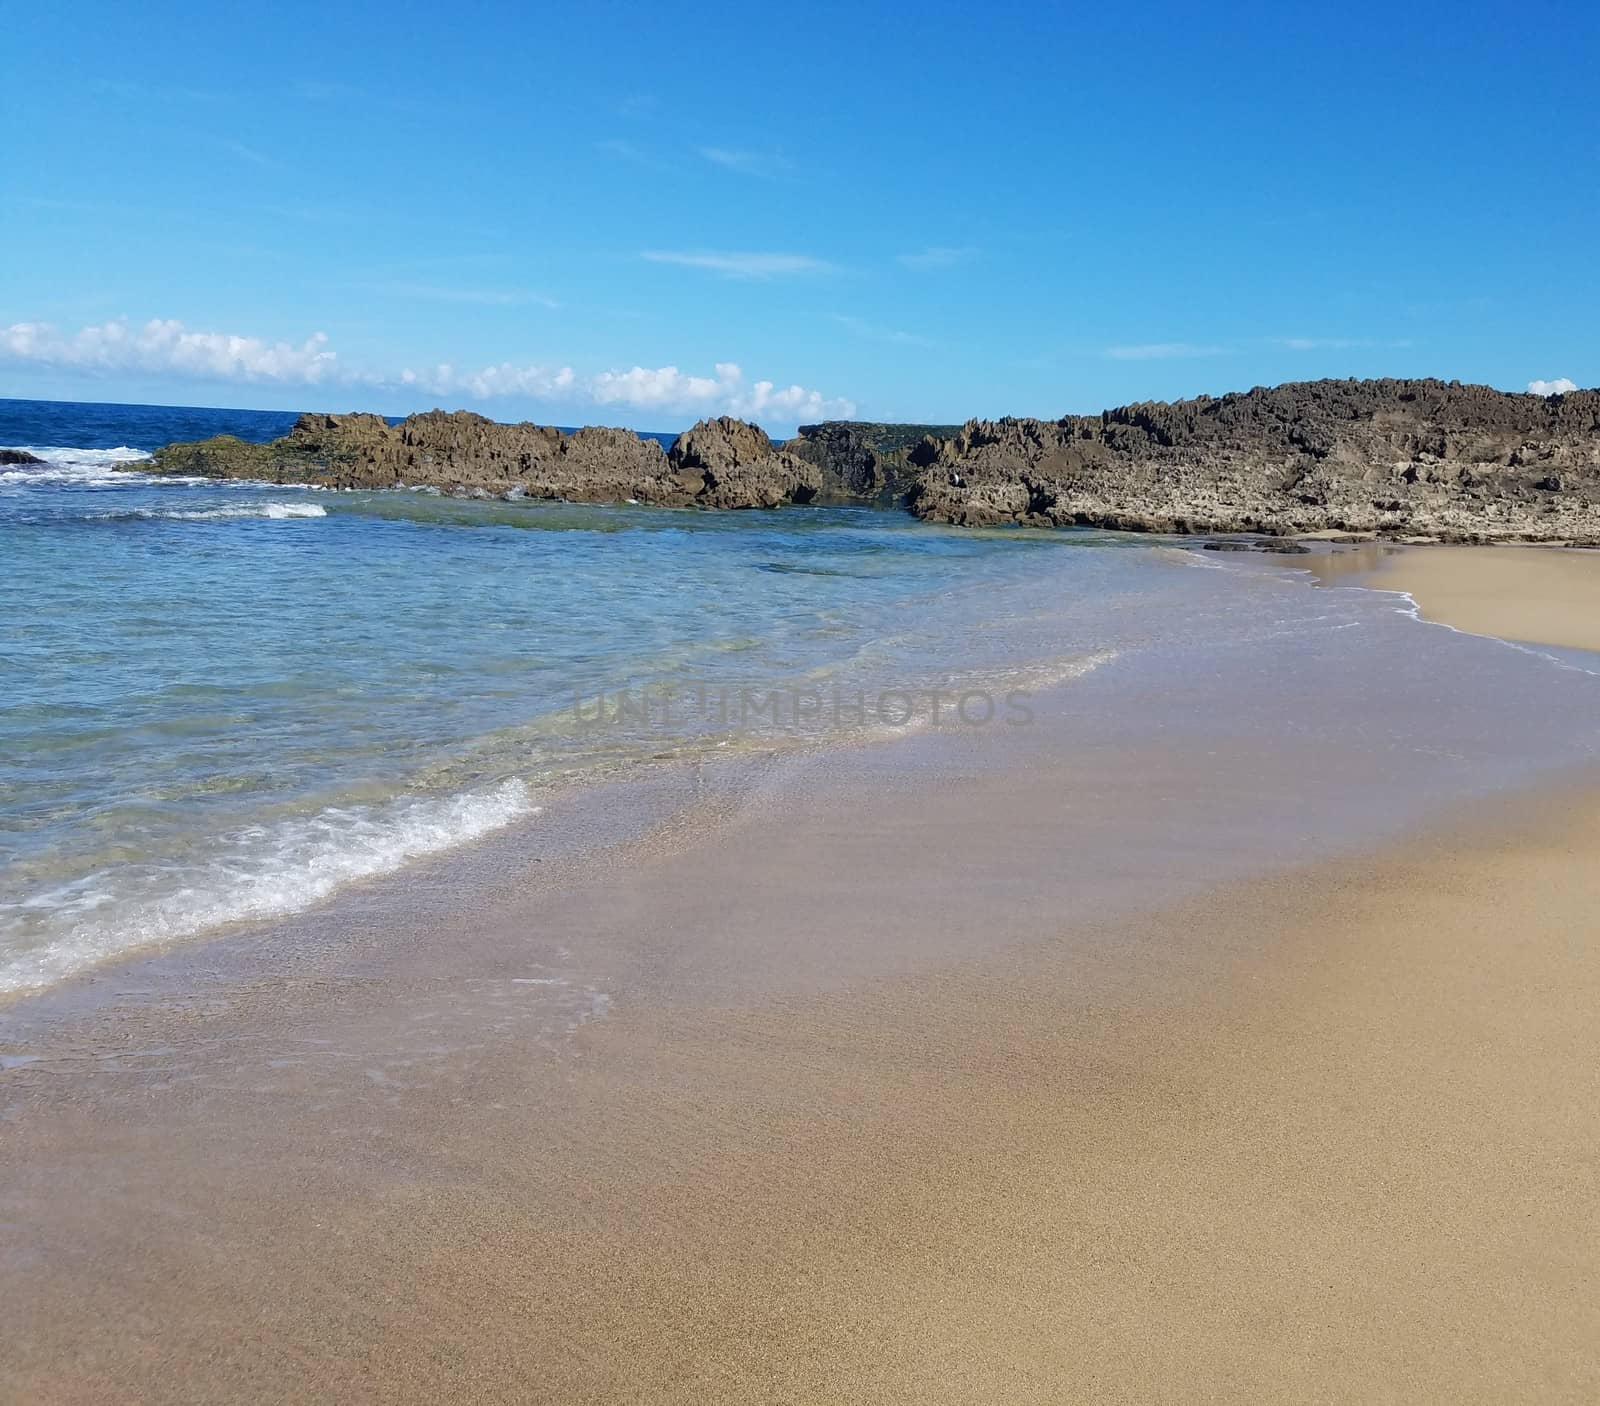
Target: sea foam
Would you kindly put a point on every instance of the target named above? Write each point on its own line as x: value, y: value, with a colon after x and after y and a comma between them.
x: 257, y: 872
x: 237, y: 510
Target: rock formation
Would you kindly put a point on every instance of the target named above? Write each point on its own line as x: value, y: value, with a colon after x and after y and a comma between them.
x: 1419, y: 458
x: 18, y: 456
x: 860, y: 460
x: 720, y: 463
x: 726, y: 463
x: 1397, y: 458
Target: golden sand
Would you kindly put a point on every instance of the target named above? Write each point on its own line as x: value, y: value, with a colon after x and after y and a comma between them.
x: 775, y: 1106
x: 1539, y: 595
x: 1327, y: 1136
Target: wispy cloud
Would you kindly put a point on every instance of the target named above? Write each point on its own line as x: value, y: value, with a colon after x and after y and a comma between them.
x: 166, y: 348
x: 246, y: 153
x: 938, y: 256
x: 742, y: 265
x: 624, y: 150
x: 872, y: 331
x: 1162, y: 351
x: 480, y: 297
x: 1560, y: 386
x: 764, y: 164
x: 1336, y: 343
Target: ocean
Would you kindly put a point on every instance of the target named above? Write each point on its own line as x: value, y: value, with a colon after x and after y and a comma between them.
x: 222, y: 702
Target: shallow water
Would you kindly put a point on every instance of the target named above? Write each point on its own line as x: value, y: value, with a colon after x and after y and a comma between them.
x: 226, y: 701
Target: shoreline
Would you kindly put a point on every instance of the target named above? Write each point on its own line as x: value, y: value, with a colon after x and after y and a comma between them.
x: 1081, y: 1061
x: 578, y: 816
x: 1523, y: 594
x: 1285, y: 1132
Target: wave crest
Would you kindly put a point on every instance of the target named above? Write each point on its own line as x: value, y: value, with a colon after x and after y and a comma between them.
x: 258, y: 872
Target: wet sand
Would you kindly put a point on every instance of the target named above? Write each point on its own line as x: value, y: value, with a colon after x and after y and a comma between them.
x: 932, y: 1072
x: 1539, y: 595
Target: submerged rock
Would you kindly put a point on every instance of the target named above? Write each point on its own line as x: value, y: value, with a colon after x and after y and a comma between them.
x: 1276, y: 546
x: 18, y: 456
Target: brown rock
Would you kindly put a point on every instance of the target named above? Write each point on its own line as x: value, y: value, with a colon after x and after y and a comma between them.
x: 1387, y: 457
x: 719, y: 445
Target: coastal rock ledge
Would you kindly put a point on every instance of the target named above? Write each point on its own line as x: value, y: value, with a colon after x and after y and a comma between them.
x: 1395, y: 458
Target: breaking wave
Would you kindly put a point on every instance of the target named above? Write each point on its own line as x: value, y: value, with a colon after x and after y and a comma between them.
x: 261, y: 871
x: 239, y: 510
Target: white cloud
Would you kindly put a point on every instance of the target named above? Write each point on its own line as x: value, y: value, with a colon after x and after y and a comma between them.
x: 1162, y: 351
x: 938, y: 257
x: 665, y: 389
x: 167, y: 348
x: 1560, y: 386
x: 491, y: 382
x: 726, y: 393
x: 736, y: 265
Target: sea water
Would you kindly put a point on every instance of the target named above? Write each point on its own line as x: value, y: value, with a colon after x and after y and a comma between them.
x: 223, y: 701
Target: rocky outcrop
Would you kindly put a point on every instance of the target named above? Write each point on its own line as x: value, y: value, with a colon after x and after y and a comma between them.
x: 1397, y: 458
x: 18, y: 456
x: 721, y: 464
x: 726, y: 463
x: 1394, y: 458
x: 861, y: 460
x: 723, y: 443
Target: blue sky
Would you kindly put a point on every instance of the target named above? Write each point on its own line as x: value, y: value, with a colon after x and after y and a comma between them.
x: 639, y: 214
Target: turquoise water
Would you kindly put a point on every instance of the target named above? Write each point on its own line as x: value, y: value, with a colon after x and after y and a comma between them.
x: 224, y: 701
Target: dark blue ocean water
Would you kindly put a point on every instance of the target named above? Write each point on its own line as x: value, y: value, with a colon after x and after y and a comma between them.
x: 105, y: 425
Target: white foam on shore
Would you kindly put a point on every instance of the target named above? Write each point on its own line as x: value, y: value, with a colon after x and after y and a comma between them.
x: 259, y: 872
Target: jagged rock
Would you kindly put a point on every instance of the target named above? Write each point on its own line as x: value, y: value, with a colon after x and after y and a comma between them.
x: 725, y: 464
x: 719, y: 445
x: 767, y: 482
x: 860, y: 460
x: 1387, y: 458
x: 18, y: 456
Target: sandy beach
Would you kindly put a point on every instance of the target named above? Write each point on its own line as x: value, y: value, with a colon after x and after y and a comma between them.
x: 680, y: 728
x: 1540, y: 595
x: 929, y: 1071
